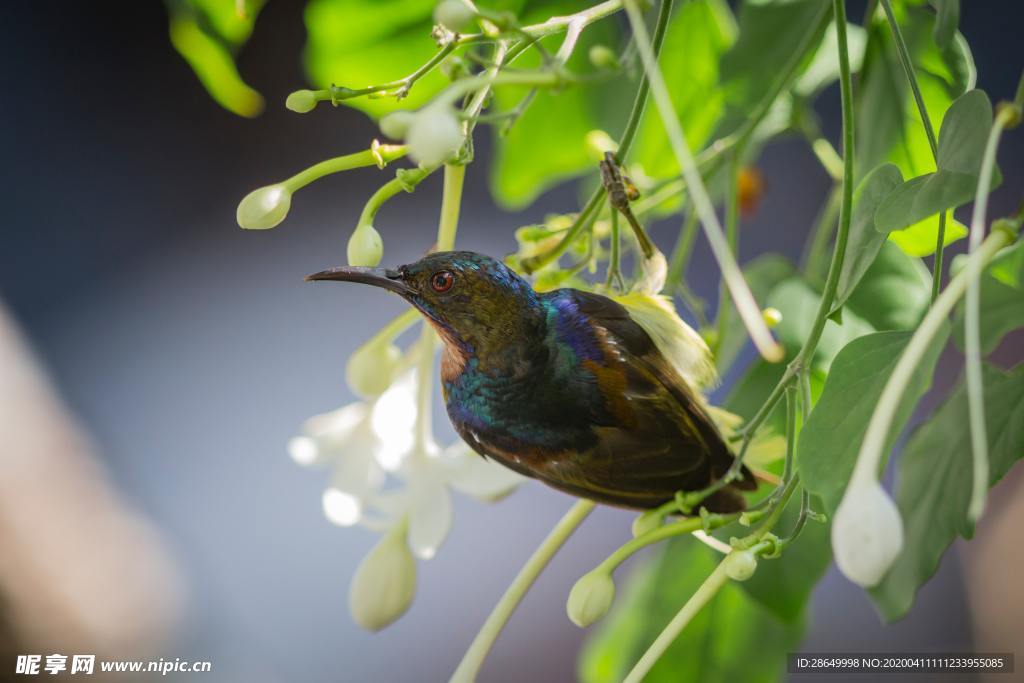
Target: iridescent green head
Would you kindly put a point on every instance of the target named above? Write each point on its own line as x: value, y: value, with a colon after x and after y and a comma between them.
x: 471, y: 298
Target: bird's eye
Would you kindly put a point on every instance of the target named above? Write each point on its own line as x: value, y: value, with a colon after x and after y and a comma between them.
x: 442, y: 281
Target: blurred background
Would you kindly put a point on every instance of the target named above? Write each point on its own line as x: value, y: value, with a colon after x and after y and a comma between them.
x: 184, y: 352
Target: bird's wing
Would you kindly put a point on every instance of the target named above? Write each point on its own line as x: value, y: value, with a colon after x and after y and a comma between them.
x: 659, y: 439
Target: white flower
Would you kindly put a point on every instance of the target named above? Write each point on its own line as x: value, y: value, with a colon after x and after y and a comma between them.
x: 396, y: 124
x: 264, y: 208
x: 384, y: 584
x: 434, y: 135
x: 740, y: 565
x: 389, y: 481
x: 867, y: 533
x: 455, y: 15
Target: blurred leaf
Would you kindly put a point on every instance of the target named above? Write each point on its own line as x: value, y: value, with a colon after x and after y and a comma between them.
x: 895, y: 291
x: 699, y: 33
x: 770, y: 35
x: 962, y: 141
x: 1002, y: 300
x: 824, y: 67
x: 946, y: 22
x: 208, y: 33
x: 933, y: 482
x: 762, y: 274
x: 864, y: 241
x: 830, y: 440
x: 798, y: 303
x: 359, y: 43
x: 546, y: 144
x: 888, y: 123
x: 732, y: 639
x: 919, y: 239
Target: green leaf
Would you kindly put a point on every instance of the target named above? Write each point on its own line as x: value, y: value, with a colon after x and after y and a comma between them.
x: 889, y: 125
x: 798, y: 302
x: 762, y: 274
x: 895, y: 291
x: 1002, y: 300
x: 824, y: 67
x: 830, y: 440
x: 546, y: 144
x: 208, y: 33
x: 946, y: 22
x: 962, y: 141
x: 865, y: 242
x: 920, y: 238
x: 697, y: 36
x: 732, y: 639
x: 933, y: 482
x: 359, y: 43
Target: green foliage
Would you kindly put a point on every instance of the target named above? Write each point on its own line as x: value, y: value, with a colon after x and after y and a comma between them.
x: 889, y: 127
x: 556, y: 122
x: 894, y: 292
x: 357, y: 43
x: 1002, y: 299
x: 830, y: 441
x: 732, y: 639
x: 698, y: 35
x: 208, y: 33
x: 762, y: 274
x: 865, y: 242
x: 961, y: 145
x: 946, y: 22
x: 933, y: 482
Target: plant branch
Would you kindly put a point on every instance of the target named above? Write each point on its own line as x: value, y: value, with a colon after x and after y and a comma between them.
x: 738, y: 289
x: 378, y: 155
x: 972, y: 318
x: 929, y: 131
x: 469, y: 667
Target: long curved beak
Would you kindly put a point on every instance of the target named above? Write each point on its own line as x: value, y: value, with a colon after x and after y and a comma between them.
x: 384, y: 278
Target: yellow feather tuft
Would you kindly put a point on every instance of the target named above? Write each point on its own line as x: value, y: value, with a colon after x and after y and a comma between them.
x: 677, y: 341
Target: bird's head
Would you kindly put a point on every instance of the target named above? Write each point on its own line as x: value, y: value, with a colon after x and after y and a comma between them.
x: 471, y: 299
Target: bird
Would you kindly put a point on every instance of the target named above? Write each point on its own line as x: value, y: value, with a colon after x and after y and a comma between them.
x: 563, y: 386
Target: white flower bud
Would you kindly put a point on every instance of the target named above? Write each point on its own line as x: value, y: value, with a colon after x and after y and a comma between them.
x: 384, y: 584
x: 301, y: 101
x: 365, y: 247
x: 455, y: 15
x: 264, y: 208
x: 396, y: 124
x: 867, y: 533
x: 740, y: 565
x: 434, y: 135
x: 591, y: 598
x: 647, y: 521
x: 372, y: 368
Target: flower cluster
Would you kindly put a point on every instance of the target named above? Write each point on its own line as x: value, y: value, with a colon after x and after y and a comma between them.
x: 389, y: 475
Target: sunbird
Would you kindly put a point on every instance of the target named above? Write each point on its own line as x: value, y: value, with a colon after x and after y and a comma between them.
x: 563, y: 386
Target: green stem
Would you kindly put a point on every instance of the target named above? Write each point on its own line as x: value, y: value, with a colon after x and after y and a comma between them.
x: 870, y: 455
x: 451, y: 201
x: 405, y: 182
x: 586, y: 215
x: 972, y: 320
x: 469, y: 667
x: 684, y: 526
x: 681, y: 254
x: 929, y: 131
x: 378, y: 155
x: 732, y: 220
x: 748, y: 309
x: 394, y: 328
x: 614, y: 275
